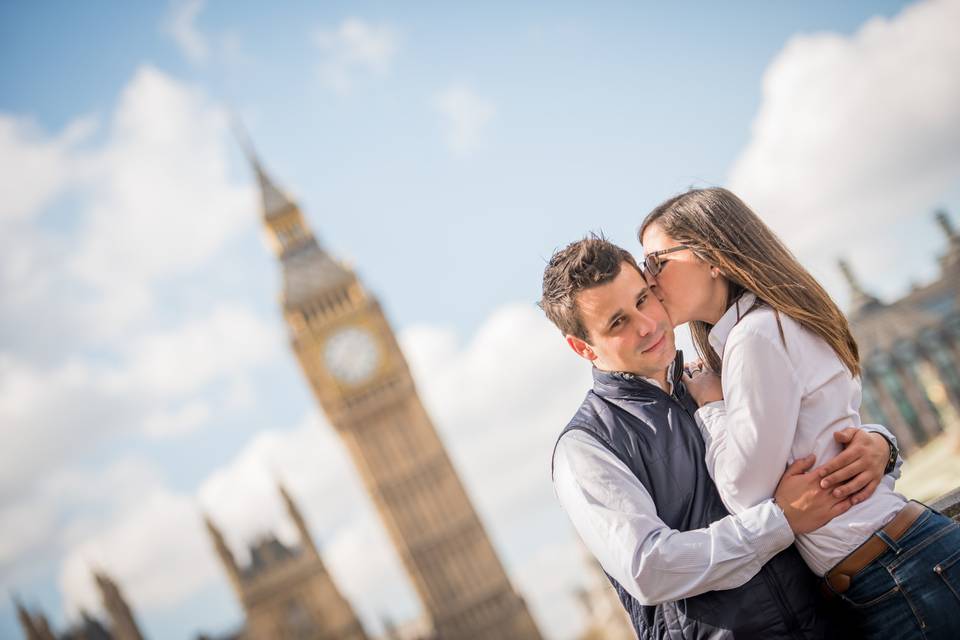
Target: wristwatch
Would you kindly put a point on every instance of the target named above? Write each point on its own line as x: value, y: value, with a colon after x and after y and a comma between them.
x: 894, y: 454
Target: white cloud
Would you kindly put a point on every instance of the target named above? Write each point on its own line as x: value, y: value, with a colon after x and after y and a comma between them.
x: 151, y: 201
x: 465, y: 117
x: 187, y: 358
x: 498, y: 400
x: 36, y: 168
x: 162, y: 385
x: 179, y: 421
x: 857, y: 137
x: 368, y: 572
x: 158, y: 552
x: 353, y: 48
x: 34, y: 522
x: 181, y: 25
x: 312, y: 464
x: 163, y: 202
x: 48, y: 415
x: 86, y: 357
x: 151, y: 543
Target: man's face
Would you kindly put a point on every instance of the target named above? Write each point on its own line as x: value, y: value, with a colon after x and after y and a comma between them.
x: 627, y: 327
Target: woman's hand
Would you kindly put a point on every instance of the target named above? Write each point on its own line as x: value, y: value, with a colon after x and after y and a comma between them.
x: 703, y: 384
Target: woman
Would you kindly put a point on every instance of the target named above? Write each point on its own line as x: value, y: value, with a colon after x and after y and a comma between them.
x: 790, y: 379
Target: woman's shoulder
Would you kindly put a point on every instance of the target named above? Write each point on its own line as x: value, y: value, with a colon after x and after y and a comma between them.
x: 763, y: 321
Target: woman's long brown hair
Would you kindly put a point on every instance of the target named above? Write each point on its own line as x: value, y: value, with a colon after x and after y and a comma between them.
x: 723, y: 231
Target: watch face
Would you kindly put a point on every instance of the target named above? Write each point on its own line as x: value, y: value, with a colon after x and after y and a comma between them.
x: 351, y: 355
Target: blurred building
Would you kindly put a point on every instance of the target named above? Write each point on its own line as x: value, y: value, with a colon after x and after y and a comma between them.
x: 286, y: 592
x: 910, y: 351
x: 605, y: 615
x: 123, y: 626
x: 357, y: 372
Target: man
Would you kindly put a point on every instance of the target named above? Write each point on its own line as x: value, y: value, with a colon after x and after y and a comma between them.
x: 628, y: 470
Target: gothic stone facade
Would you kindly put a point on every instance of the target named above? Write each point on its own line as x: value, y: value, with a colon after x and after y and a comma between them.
x: 910, y: 350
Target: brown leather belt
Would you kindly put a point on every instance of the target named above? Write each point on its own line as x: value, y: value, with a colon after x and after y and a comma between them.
x: 840, y: 577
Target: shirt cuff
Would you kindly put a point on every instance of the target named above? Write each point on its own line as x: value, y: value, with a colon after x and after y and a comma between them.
x: 708, y: 418
x: 767, y: 527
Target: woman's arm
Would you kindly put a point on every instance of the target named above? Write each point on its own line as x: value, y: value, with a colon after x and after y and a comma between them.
x: 750, y: 435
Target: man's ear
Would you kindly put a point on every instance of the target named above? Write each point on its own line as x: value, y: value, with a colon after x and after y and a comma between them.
x: 581, y: 348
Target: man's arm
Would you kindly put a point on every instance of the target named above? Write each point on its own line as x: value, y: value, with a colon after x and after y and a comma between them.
x: 618, y: 522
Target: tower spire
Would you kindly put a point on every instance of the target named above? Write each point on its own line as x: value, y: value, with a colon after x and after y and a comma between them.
x: 223, y: 552
x: 123, y: 626
x: 275, y: 201
x: 288, y: 230
x: 950, y: 261
x: 860, y: 299
x: 298, y: 520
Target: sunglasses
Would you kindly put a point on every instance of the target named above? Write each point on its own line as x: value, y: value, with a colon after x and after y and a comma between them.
x: 652, y: 263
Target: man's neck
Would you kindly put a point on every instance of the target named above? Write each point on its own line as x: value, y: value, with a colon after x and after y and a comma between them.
x: 660, y: 377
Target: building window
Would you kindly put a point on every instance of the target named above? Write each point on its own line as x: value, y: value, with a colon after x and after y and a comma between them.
x: 297, y: 621
x: 870, y: 403
x: 908, y: 358
x: 882, y: 367
x: 939, y: 354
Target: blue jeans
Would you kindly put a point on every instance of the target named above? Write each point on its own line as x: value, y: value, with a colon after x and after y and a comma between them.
x: 913, y: 589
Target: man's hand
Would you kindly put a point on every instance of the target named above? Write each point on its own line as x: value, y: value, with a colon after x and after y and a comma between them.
x: 805, y: 504
x: 703, y: 384
x: 857, y: 470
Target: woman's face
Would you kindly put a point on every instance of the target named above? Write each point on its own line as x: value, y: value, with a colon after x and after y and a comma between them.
x: 688, y: 289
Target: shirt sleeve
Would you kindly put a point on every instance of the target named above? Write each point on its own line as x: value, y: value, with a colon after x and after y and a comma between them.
x: 617, y: 520
x: 749, y: 438
x: 882, y: 430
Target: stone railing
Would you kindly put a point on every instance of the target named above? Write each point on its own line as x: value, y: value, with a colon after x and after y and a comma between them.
x: 949, y: 505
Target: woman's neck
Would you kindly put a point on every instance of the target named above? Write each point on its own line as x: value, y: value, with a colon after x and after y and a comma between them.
x: 719, y: 302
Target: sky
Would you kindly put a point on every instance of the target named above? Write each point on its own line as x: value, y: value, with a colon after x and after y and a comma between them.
x: 444, y: 152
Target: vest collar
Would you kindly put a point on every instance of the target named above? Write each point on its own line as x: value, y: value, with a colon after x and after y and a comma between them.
x: 614, y: 384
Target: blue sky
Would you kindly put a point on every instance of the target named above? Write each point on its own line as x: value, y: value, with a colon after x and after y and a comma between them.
x: 445, y: 152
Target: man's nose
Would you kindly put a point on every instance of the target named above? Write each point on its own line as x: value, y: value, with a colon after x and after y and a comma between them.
x: 645, y: 324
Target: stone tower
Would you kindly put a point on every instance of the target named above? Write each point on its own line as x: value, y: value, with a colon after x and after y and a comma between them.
x: 287, y: 593
x: 122, y: 624
x: 34, y: 625
x: 358, y: 374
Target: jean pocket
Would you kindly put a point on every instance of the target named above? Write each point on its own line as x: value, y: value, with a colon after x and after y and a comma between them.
x: 870, y: 587
x: 870, y: 600
x: 949, y: 571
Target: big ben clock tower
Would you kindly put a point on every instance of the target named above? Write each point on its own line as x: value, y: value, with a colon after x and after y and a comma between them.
x: 359, y: 376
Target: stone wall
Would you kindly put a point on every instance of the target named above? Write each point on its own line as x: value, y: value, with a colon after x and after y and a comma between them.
x: 949, y: 504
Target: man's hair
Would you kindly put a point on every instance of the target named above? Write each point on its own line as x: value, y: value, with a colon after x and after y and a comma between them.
x: 579, y: 266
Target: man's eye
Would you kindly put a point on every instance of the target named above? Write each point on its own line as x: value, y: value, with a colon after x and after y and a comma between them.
x: 641, y: 300
x: 616, y: 323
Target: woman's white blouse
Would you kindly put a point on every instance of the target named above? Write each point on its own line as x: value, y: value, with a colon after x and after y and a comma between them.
x: 784, y: 399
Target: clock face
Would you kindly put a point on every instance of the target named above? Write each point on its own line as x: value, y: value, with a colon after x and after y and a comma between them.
x: 351, y: 355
